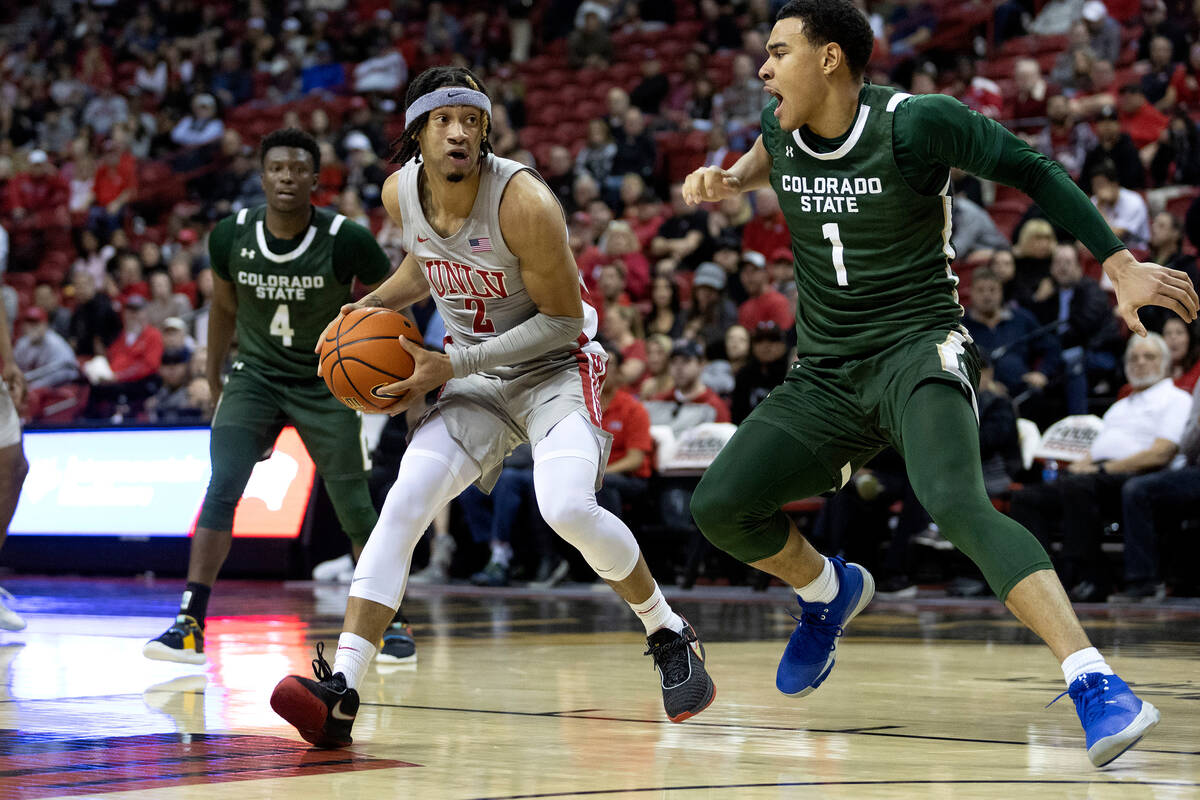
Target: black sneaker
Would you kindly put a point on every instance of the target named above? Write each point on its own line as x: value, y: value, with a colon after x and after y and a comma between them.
x: 494, y: 574
x: 183, y: 643
x: 679, y: 658
x: 1142, y: 591
x: 322, y: 710
x: 398, y: 645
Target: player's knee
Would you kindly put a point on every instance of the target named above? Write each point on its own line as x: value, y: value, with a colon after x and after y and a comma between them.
x: 946, y: 501
x: 570, y: 513
x: 717, y: 510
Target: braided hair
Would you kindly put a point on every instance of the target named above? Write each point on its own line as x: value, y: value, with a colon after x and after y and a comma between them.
x: 407, y: 145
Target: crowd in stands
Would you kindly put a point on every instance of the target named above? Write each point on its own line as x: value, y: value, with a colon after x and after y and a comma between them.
x: 129, y: 127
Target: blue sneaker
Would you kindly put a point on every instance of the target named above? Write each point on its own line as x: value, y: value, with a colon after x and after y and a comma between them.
x: 808, y: 658
x: 1114, y: 718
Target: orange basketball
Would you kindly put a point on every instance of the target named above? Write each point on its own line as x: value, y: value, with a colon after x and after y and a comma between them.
x: 362, y: 354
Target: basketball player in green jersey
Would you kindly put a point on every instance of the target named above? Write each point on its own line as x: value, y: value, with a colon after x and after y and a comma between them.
x: 280, y: 271
x: 863, y: 176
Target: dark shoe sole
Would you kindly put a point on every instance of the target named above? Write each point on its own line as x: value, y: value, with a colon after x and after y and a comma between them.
x: 304, y: 712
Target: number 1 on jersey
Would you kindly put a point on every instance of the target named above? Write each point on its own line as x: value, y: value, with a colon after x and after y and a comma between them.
x: 832, y: 235
x: 281, y: 325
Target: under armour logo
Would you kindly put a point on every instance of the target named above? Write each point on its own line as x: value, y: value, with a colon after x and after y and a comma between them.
x: 249, y: 252
x: 790, y: 150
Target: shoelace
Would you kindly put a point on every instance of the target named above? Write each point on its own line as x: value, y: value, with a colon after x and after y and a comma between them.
x: 674, y: 670
x: 816, y: 620
x: 1090, y: 702
x: 320, y: 666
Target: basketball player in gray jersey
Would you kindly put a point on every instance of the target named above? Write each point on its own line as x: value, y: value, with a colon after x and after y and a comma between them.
x: 487, y: 239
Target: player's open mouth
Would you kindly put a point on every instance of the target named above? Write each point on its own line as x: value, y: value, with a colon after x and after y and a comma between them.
x: 285, y: 194
x: 459, y: 156
x: 777, y: 96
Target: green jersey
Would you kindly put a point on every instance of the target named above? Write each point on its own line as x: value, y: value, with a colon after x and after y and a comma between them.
x: 288, y: 289
x: 870, y: 214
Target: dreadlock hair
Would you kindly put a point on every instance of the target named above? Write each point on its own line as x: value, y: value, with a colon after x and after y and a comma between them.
x: 407, y: 146
x: 291, y: 137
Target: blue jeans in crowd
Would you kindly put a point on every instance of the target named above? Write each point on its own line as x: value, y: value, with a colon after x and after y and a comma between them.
x: 1078, y: 364
x: 1147, y: 501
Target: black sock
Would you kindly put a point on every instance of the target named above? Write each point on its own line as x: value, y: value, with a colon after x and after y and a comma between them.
x: 195, y: 601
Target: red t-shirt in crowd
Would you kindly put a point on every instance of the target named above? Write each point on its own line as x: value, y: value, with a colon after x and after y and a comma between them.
x: 770, y: 305
x: 1144, y: 125
x: 111, y: 181
x: 1187, y: 87
x: 136, y: 360
x: 626, y: 419
x: 766, y: 235
x: 707, y: 397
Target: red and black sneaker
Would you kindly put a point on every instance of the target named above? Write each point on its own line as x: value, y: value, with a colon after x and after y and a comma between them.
x: 323, y: 710
x: 679, y: 658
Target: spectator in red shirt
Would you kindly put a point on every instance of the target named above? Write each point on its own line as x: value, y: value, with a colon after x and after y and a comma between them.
x: 133, y: 360
x: 764, y: 303
x: 1143, y: 122
x: 40, y: 190
x: 1028, y: 109
x: 112, y: 188
x: 687, y: 364
x: 768, y: 231
x: 1184, y: 88
x: 629, y: 458
x: 620, y: 243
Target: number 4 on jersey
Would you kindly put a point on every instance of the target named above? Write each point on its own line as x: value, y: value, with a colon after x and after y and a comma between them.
x: 281, y: 325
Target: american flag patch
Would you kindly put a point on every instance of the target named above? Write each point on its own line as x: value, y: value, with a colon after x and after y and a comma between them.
x: 481, y: 245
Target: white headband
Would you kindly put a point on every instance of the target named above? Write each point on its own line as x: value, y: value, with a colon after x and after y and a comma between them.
x: 447, y: 96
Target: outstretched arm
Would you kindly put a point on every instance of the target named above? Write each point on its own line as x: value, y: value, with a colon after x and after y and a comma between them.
x: 939, y: 132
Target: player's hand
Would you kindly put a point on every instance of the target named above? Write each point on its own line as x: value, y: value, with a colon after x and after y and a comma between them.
x: 369, y: 301
x: 15, y: 379
x: 430, y: 370
x: 710, y: 184
x: 1140, y: 284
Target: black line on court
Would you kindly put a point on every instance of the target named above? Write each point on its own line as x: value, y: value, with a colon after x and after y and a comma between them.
x: 785, y: 784
x: 879, y: 730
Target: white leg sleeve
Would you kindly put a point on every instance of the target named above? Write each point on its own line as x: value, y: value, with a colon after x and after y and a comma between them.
x: 564, y: 479
x: 434, y: 470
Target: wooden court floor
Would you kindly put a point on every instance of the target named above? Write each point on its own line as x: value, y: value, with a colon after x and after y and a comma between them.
x: 547, y: 695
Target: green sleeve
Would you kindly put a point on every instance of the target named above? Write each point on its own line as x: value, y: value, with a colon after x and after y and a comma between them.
x: 357, y: 254
x: 933, y: 132
x: 220, y: 245
x: 770, y: 127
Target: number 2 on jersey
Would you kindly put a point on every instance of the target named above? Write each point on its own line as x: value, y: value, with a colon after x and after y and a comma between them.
x: 481, y: 323
x: 281, y: 325
x: 831, y: 233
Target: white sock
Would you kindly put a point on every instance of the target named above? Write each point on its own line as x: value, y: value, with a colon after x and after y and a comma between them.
x: 655, y: 613
x: 823, y: 588
x: 1082, y: 662
x: 501, y: 552
x: 354, y: 655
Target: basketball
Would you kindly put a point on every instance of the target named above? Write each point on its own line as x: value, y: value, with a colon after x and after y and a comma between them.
x: 362, y: 354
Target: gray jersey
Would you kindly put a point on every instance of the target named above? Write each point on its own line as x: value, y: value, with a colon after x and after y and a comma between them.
x: 474, y: 278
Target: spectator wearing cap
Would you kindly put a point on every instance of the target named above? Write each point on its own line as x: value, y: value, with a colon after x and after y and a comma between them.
x: 974, y: 234
x: 683, y: 236
x: 45, y: 358
x: 364, y: 174
x: 630, y: 455
x: 783, y: 273
x: 654, y: 86
x: 177, y: 335
x: 133, y: 359
x: 687, y: 366
x: 1143, y: 122
x: 1113, y: 145
x: 712, y: 312
x: 768, y: 231
x: 766, y: 369
x: 113, y: 187
x: 764, y: 302
x: 197, y: 134
x: 173, y: 402
x: 38, y: 192
x: 1123, y: 209
x: 1103, y: 30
